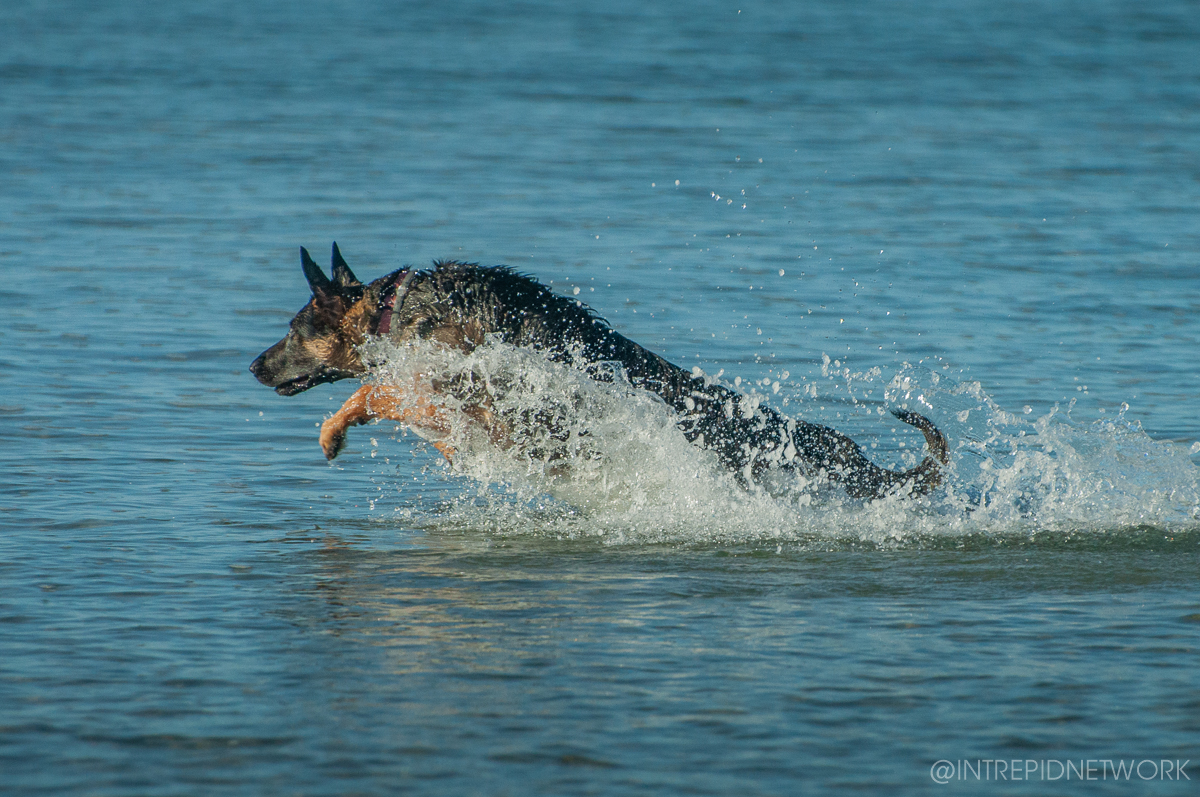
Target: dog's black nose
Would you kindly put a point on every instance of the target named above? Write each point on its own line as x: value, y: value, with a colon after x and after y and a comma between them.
x: 257, y: 366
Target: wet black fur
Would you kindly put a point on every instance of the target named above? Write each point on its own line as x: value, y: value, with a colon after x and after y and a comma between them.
x: 459, y: 302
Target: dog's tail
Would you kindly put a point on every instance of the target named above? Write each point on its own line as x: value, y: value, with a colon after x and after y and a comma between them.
x: 928, y: 475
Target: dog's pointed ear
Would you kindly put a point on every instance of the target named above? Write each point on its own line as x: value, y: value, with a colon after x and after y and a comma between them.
x: 343, y: 277
x: 320, y: 284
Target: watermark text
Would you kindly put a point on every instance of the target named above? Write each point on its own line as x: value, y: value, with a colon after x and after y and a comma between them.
x: 1053, y: 769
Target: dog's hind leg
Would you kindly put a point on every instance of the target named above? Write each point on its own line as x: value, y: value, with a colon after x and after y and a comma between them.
x: 412, y: 408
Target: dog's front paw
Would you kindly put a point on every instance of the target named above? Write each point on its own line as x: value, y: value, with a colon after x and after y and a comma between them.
x: 333, y: 438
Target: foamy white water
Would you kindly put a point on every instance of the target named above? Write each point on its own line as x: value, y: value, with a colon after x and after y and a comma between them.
x: 604, y: 459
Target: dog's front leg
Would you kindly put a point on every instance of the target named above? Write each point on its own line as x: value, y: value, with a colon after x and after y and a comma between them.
x: 370, y: 402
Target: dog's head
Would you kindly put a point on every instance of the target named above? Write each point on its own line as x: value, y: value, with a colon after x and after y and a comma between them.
x: 322, y: 344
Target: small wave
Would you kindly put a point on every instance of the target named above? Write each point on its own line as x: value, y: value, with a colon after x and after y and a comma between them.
x: 602, y: 459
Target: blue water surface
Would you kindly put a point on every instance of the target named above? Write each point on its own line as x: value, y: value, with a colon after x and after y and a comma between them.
x: 998, y: 200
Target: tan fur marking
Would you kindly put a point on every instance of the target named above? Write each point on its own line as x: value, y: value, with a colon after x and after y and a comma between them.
x: 322, y: 348
x: 356, y: 323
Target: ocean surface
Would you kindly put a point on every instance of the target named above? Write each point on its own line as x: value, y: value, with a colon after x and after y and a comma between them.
x: 989, y: 211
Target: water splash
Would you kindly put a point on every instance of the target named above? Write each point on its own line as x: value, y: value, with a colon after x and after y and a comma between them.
x: 589, y: 458
x: 1051, y: 473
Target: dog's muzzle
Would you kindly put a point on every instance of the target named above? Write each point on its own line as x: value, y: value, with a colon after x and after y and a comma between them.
x: 290, y: 387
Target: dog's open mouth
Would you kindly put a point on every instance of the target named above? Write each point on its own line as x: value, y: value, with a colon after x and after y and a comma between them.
x: 302, y: 383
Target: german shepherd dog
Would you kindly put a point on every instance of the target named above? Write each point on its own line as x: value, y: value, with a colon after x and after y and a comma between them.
x: 458, y: 305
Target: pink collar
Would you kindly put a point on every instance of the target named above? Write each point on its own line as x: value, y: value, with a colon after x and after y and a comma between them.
x: 393, y: 296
